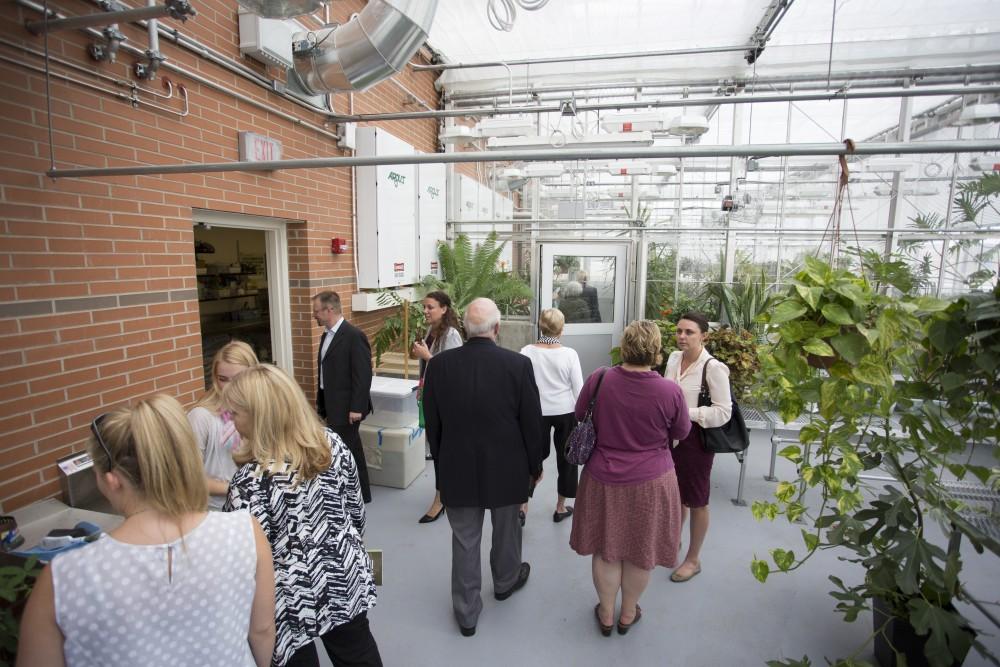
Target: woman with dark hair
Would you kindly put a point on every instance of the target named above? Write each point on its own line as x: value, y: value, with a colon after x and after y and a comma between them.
x: 687, y: 367
x: 442, y: 334
x: 628, y: 514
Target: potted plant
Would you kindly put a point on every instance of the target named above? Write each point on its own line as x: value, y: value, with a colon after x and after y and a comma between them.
x: 737, y: 350
x: 932, y: 364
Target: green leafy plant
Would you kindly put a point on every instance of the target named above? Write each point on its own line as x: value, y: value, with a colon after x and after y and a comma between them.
x: 468, y: 273
x: 738, y: 351
x: 16, y: 582
x: 931, y: 363
x: 743, y: 302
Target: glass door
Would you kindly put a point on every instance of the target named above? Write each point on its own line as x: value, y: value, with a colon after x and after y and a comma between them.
x: 587, y: 282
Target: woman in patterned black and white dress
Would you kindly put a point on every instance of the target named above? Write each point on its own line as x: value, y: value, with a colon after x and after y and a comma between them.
x: 300, y: 481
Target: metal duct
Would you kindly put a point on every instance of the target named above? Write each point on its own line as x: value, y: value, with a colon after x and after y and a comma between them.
x: 373, y: 45
x: 281, y: 9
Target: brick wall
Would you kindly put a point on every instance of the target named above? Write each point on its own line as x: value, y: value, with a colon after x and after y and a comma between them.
x: 98, y: 295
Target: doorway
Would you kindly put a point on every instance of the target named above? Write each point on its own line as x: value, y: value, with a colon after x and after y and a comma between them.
x: 241, y: 266
x: 587, y: 281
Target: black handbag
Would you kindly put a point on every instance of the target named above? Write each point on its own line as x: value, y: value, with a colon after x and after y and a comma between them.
x: 730, y: 438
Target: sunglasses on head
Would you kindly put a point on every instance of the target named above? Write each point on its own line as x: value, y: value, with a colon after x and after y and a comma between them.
x: 95, y: 426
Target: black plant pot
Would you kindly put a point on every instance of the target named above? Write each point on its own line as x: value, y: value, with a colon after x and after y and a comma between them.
x: 901, y: 635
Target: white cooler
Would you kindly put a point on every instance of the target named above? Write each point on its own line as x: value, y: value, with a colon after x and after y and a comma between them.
x: 395, y: 455
x: 394, y: 402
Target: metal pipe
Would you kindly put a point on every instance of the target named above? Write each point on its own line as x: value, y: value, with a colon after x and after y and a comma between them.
x: 572, y: 59
x: 842, y: 78
x: 947, y: 216
x: 175, y: 8
x: 30, y: 4
x: 702, y: 101
x: 686, y: 151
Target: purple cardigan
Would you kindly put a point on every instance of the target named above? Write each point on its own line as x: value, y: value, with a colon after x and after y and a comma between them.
x: 637, y: 416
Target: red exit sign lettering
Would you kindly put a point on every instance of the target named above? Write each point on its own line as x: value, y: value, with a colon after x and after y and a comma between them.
x: 258, y: 148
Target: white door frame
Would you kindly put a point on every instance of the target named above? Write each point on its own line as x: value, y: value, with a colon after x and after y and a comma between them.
x: 278, y: 295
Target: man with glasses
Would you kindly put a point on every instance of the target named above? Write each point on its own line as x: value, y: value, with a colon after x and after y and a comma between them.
x: 344, y: 364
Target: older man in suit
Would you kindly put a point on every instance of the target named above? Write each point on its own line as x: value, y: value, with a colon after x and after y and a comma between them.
x: 484, y: 427
x: 344, y: 363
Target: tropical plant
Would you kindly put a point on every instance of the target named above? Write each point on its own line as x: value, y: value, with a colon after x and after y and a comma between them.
x: 742, y: 302
x: 16, y: 582
x: 665, y: 298
x: 967, y: 213
x: 930, y: 363
x: 737, y: 350
x: 468, y: 273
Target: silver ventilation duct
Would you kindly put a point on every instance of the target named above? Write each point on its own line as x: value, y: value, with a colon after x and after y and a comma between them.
x: 373, y: 45
x: 281, y: 9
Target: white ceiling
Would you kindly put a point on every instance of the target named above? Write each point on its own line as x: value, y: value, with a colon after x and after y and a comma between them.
x: 867, y: 34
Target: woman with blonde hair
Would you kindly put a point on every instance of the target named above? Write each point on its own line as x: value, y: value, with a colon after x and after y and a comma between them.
x: 126, y: 599
x: 628, y: 509
x: 300, y: 481
x: 214, y: 431
x: 559, y: 380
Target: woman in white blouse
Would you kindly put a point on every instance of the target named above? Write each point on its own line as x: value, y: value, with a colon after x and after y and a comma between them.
x: 559, y: 380
x: 693, y: 463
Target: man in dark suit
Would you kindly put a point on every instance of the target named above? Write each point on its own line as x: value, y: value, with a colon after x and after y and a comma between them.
x: 589, y: 295
x: 344, y: 366
x: 484, y: 426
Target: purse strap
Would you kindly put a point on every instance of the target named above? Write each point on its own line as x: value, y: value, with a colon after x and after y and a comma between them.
x: 705, y: 391
x: 593, y: 397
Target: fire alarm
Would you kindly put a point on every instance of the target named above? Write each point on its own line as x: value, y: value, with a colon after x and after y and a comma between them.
x: 338, y: 246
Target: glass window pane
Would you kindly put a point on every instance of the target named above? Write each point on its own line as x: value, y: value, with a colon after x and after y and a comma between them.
x: 583, y: 287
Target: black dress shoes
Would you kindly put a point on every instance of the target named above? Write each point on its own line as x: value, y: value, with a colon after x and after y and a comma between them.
x: 522, y: 579
x: 559, y: 516
x: 430, y: 518
x: 467, y: 632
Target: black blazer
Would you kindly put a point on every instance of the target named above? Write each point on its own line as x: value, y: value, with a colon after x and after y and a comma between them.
x: 484, y: 424
x: 347, y: 376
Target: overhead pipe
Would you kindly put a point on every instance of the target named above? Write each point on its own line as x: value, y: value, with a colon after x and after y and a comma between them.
x: 375, y: 44
x: 842, y: 78
x: 621, y: 153
x: 683, y: 102
x: 573, y: 59
x: 178, y: 9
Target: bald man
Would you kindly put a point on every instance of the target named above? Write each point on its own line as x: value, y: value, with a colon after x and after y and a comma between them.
x: 484, y: 427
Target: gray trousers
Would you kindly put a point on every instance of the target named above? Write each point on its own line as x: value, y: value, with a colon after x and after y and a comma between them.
x: 466, y: 571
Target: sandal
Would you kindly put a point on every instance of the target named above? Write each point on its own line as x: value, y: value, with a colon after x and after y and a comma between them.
x: 605, y: 629
x: 625, y: 627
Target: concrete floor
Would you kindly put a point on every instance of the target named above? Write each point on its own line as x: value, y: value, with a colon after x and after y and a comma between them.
x: 721, y: 617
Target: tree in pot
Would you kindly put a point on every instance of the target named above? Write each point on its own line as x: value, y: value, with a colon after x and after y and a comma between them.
x: 935, y: 364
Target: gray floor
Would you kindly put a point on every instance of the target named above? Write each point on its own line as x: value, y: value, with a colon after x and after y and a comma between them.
x: 721, y: 617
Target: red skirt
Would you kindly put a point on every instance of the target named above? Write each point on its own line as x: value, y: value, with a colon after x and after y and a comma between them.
x: 639, y: 523
x: 694, y: 469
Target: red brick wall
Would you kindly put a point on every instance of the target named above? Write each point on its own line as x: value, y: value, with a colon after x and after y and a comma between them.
x: 98, y: 296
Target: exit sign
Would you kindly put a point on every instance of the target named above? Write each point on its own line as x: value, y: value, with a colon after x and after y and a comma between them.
x: 258, y: 148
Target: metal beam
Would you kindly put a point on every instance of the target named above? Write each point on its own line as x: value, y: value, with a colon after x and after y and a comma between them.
x: 178, y: 9
x: 573, y: 59
x: 654, y: 152
x: 683, y: 102
x: 765, y: 28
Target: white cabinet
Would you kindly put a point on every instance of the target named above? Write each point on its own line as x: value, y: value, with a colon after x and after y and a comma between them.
x: 431, y: 216
x: 387, y: 214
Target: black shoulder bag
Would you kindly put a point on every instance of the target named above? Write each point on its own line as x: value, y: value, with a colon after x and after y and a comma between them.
x: 730, y: 438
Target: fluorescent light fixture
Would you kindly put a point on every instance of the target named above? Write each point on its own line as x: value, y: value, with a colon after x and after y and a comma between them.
x: 916, y: 191
x: 509, y: 173
x: 507, y: 126
x: 458, y: 134
x: 688, y: 125
x: 667, y: 170
x: 634, y: 121
x: 543, y: 170
x: 979, y: 114
x: 630, y: 168
x: 877, y: 164
x: 610, y: 140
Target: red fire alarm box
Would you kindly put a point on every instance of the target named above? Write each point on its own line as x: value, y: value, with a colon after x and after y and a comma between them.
x: 338, y: 246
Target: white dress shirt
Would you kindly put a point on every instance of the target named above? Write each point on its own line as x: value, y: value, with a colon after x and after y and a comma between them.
x: 327, y: 339
x: 717, y: 379
x: 558, y: 376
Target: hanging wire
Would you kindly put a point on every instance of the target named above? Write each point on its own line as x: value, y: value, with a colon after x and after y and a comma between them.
x: 48, y: 88
x: 503, y: 13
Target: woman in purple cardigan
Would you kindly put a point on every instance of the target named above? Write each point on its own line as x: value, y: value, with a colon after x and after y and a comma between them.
x: 628, y: 509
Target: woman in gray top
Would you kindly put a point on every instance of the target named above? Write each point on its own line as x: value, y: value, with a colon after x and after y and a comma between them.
x: 442, y: 334
x: 214, y: 431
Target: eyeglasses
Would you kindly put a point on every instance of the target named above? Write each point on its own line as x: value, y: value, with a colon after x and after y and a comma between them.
x: 95, y: 426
